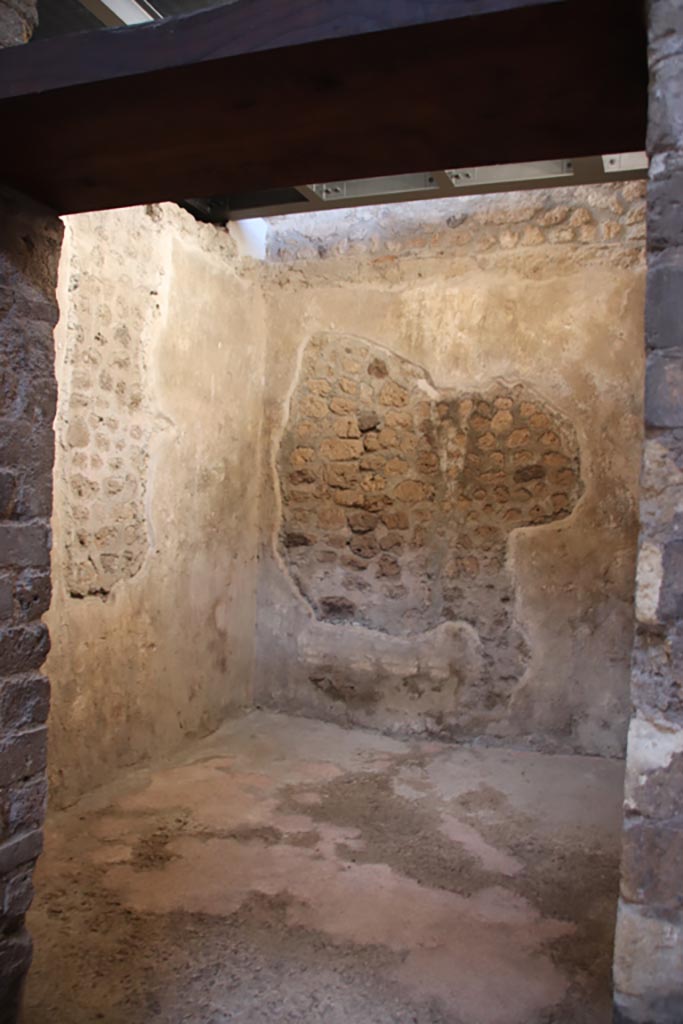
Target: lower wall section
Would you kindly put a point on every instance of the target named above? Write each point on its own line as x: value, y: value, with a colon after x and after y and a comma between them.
x: 454, y: 416
x: 160, y: 367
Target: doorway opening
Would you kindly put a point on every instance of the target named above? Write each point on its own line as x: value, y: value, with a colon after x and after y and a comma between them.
x: 345, y: 525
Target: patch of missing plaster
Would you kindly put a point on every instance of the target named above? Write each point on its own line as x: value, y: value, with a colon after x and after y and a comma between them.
x: 397, y: 501
x: 104, y: 424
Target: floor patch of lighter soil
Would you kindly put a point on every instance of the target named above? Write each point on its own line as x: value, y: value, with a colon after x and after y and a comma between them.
x: 289, y: 870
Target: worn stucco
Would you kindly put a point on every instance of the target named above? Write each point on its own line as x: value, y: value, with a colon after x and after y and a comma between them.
x: 160, y: 362
x: 179, y: 366
x: 541, y: 291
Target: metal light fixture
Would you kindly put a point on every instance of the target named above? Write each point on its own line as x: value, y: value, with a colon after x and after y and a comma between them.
x: 361, y: 188
x: 498, y: 174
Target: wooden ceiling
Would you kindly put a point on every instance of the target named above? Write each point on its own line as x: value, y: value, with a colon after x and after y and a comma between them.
x: 270, y: 93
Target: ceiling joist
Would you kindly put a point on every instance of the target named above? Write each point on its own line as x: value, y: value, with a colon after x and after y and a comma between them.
x: 266, y: 94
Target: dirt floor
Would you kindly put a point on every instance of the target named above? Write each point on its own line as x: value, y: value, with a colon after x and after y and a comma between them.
x: 286, y: 870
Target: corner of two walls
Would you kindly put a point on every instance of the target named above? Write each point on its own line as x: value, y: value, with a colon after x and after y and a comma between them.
x: 386, y: 476
x: 160, y: 354
x: 453, y: 416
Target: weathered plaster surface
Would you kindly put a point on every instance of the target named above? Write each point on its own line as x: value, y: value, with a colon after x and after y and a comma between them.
x: 160, y: 366
x: 540, y: 291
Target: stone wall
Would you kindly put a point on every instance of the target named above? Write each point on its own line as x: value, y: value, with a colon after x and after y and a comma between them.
x: 29, y: 249
x: 649, y: 953
x: 160, y: 365
x: 452, y: 395
x: 18, y: 20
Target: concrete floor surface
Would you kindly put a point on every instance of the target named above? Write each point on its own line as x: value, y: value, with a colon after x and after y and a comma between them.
x: 286, y: 870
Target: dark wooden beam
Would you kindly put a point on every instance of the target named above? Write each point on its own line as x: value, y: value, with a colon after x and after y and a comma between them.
x: 269, y: 93
x: 249, y: 26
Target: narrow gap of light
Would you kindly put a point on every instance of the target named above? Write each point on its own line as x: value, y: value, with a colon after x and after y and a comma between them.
x: 128, y: 11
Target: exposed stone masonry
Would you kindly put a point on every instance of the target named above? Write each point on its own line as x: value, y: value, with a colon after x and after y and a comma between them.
x: 18, y: 19
x: 29, y: 249
x: 567, y: 218
x: 649, y: 954
x: 104, y: 426
x: 398, y: 499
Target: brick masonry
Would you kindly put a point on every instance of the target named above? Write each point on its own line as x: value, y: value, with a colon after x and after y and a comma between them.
x: 649, y: 950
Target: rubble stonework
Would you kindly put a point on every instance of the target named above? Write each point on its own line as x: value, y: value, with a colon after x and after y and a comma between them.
x: 29, y: 250
x: 105, y: 423
x: 649, y: 948
x: 453, y: 410
x: 398, y: 500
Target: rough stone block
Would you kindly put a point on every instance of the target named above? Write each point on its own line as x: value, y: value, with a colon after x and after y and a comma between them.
x: 648, y: 966
x: 671, y: 589
x: 20, y: 850
x: 24, y: 702
x: 664, y: 306
x: 15, y: 960
x: 665, y: 111
x: 22, y: 805
x: 17, y: 894
x: 23, y: 648
x: 23, y: 755
x: 24, y: 544
x: 6, y: 597
x: 34, y: 498
x: 652, y: 860
x: 664, y: 389
x: 33, y: 591
x: 657, y: 673
x: 649, y: 573
x: 18, y: 19
x: 665, y: 28
x: 665, y: 203
x: 8, y: 490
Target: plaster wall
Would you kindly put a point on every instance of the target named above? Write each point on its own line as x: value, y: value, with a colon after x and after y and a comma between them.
x: 484, y: 309
x: 160, y: 357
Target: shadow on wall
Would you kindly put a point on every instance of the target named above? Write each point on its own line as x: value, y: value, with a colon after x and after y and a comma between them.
x: 397, y: 501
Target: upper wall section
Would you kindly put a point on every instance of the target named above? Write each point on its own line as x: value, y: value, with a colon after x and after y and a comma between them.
x: 574, y: 219
x: 160, y: 351
x: 453, y: 408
